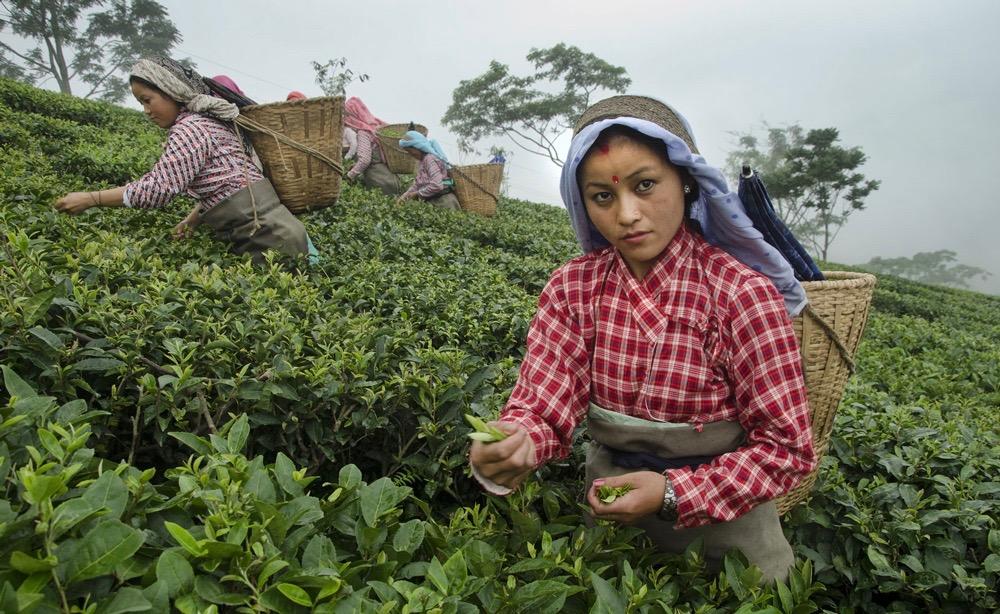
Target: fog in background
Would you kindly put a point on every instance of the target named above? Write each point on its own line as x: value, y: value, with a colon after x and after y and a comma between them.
x: 915, y: 84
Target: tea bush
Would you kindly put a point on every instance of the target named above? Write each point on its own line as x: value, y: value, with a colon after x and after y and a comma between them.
x: 181, y: 429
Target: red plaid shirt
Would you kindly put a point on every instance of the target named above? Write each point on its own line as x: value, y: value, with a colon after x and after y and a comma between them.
x: 728, y: 353
x: 202, y: 158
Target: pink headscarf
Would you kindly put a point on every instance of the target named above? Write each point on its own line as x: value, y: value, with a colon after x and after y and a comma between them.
x: 229, y: 83
x: 295, y: 95
x: 358, y: 116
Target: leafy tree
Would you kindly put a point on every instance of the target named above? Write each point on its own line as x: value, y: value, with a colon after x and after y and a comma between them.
x: 334, y: 76
x: 938, y: 267
x: 813, y: 181
x: 92, y: 41
x: 498, y: 103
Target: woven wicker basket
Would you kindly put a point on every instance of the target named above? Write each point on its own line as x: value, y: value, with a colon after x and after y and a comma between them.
x: 299, y: 145
x: 829, y: 331
x: 396, y: 157
x: 477, y: 187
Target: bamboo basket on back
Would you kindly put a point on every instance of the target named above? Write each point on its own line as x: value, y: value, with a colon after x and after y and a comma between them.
x: 299, y: 144
x: 477, y: 187
x: 396, y: 158
x: 829, y: 331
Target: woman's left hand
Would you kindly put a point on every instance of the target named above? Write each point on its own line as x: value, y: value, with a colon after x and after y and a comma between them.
x: 76, y: 203
x: 645, y: 498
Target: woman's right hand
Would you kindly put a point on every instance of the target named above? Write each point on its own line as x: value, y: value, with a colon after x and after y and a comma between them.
x: 508, y: 462
x: 183, y: 230
x: 76, y: 203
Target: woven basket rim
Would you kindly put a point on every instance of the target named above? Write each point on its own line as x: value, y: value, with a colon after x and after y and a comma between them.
x: 293, y: 103
x: 407, y: 125
x: 841, y: 280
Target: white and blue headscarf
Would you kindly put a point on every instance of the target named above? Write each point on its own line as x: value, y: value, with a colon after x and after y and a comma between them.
x: 718, y: 210
x: 418, y: 141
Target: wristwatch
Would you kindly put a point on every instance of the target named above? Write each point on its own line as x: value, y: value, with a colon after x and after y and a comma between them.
x: 668, y: 511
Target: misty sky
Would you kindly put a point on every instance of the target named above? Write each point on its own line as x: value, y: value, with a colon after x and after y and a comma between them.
x: 915, y: 84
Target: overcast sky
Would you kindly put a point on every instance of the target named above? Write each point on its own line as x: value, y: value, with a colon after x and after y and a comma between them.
x: 915, y: 84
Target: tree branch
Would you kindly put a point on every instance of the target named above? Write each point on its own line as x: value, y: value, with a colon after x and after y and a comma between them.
x: 24, y: 57
x: 102, y: 80
x: 547, y: 153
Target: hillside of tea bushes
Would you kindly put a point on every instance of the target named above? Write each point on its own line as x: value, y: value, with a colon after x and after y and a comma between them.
x: 181, y: 429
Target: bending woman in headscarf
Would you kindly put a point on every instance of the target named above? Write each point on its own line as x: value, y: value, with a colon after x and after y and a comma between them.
x: 671, y: 336
x: 205, y: 158
x: 432, y: 182
x: 359, y: 128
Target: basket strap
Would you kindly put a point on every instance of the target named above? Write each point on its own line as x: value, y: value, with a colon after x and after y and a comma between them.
x: 844, y: 353
x: 454, y: 169
x: 250, y: 124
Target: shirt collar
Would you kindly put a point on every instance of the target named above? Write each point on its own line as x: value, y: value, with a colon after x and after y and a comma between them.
x: 677, y: 252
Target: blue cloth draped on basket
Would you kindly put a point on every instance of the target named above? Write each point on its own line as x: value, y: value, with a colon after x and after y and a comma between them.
x: 760, y: 210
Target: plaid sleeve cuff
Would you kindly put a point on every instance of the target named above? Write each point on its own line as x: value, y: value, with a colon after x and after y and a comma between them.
x: 545, y: 440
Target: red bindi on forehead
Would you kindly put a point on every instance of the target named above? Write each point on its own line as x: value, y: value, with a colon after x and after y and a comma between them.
x: 603, y: 148
x: 614, y: 179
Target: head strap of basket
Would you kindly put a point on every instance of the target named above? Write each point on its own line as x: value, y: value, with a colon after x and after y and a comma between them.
x: 640, y: 107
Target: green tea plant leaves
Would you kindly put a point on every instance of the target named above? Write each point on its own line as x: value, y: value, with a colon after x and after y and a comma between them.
x: 180, y: 429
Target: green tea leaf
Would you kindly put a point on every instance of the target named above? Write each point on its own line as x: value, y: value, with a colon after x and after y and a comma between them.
x: 409, y: 535
x: 199, y: 444
x: 238, y: 434
x: 28, y: 564
x: 16, y: 387
x: 107, y: 491
x: 101, y: 549
x: 127, y: 599
x: 36, y: 306
x: 185, y: 539
x: 608, y: 600
x: 380, y: 497
x: 295, y: 594
x: 437, y: 576
x: 175, y: 571
x: 98, y: 364
x: 350, y: 477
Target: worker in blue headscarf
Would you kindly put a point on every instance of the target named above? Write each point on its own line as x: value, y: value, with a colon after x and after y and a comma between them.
x: 433, y: 181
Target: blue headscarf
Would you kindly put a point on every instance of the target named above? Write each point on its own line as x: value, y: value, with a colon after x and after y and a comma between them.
x: 718, y: 210
x: 418, y: 141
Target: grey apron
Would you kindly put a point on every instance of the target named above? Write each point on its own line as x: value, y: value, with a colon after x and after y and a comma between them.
x: 378, y: 175
x: 757, y: 533
x: 446, y: 200
x: 275, y: 228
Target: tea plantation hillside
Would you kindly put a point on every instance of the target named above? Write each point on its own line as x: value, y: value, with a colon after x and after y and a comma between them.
x: 181, y: 430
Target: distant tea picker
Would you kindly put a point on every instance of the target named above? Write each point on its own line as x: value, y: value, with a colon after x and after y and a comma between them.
x: 205, y: 158
x: 432, y: 182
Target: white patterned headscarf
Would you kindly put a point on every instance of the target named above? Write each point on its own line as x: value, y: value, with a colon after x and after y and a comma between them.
x: 184, y: 85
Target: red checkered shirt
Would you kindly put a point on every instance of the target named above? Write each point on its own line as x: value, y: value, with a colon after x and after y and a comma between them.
x: 728, y: 353
x: 202, y: 158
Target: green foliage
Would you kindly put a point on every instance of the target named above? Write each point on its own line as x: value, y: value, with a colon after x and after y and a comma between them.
x: 815, y: 182
x: 180, y: 429
x: 608, y: 494
x: 523, y: 109
x: 117, y: 33
x: 334, y: 76
x: 938, y: 268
